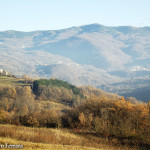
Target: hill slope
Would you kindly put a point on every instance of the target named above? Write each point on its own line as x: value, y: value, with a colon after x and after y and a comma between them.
x: 86, y: 55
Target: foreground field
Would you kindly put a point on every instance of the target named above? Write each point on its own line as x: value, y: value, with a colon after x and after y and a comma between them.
x: 53, y: 139
x: 38, y: 146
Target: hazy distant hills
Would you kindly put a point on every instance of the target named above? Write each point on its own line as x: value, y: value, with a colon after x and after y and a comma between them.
x: 93, y: 54
x: 103, y: 47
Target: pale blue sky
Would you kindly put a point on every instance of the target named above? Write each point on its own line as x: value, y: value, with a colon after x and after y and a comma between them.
x: 29, y: 15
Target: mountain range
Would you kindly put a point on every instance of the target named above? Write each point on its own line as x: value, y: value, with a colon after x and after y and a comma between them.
x: 116, y: 59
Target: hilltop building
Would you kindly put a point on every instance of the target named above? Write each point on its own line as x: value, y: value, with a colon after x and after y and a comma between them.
x: 3, y: 72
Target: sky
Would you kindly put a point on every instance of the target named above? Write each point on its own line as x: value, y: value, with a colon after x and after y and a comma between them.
x: 31, y: 15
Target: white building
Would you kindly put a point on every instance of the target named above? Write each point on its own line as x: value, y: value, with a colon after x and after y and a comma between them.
x: 4, y: 72
x: 1, y: 70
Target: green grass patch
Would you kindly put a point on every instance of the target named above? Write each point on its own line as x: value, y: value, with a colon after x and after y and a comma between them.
x: 10, y: 81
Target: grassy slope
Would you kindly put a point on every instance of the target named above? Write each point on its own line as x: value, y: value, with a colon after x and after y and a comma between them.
x: 9, y: 81
x: 38, y: 146
x: 40, y: 138
x: 54, y: 139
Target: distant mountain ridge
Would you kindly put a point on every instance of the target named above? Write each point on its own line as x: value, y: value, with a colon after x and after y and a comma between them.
x: 86, y: 55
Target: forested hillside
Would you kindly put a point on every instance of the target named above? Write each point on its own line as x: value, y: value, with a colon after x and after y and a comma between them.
x: 57, y: 104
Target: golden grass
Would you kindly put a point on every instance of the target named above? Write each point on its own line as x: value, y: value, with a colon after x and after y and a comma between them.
x: 38, y: 146
x: 53, y: 105
x: 54, y: 139
x: 10, y: 81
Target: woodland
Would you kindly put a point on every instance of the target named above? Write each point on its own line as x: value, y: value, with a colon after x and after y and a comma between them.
x: 53, y: 103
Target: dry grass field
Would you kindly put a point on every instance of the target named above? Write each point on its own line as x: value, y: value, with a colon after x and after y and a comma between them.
x: 38, y: 146
x: 51, y: 139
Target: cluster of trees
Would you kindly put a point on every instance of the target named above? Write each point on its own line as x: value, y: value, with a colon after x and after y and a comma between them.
x: 18, y: 105
x: 53, y: 83
x: 106, y: 118
x: 27, y: 79
x: 14, y: 103
x: 88, y: 109
x: 57, y: 90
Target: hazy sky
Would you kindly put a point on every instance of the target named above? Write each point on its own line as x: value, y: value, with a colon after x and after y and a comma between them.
x: 28, y: 15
